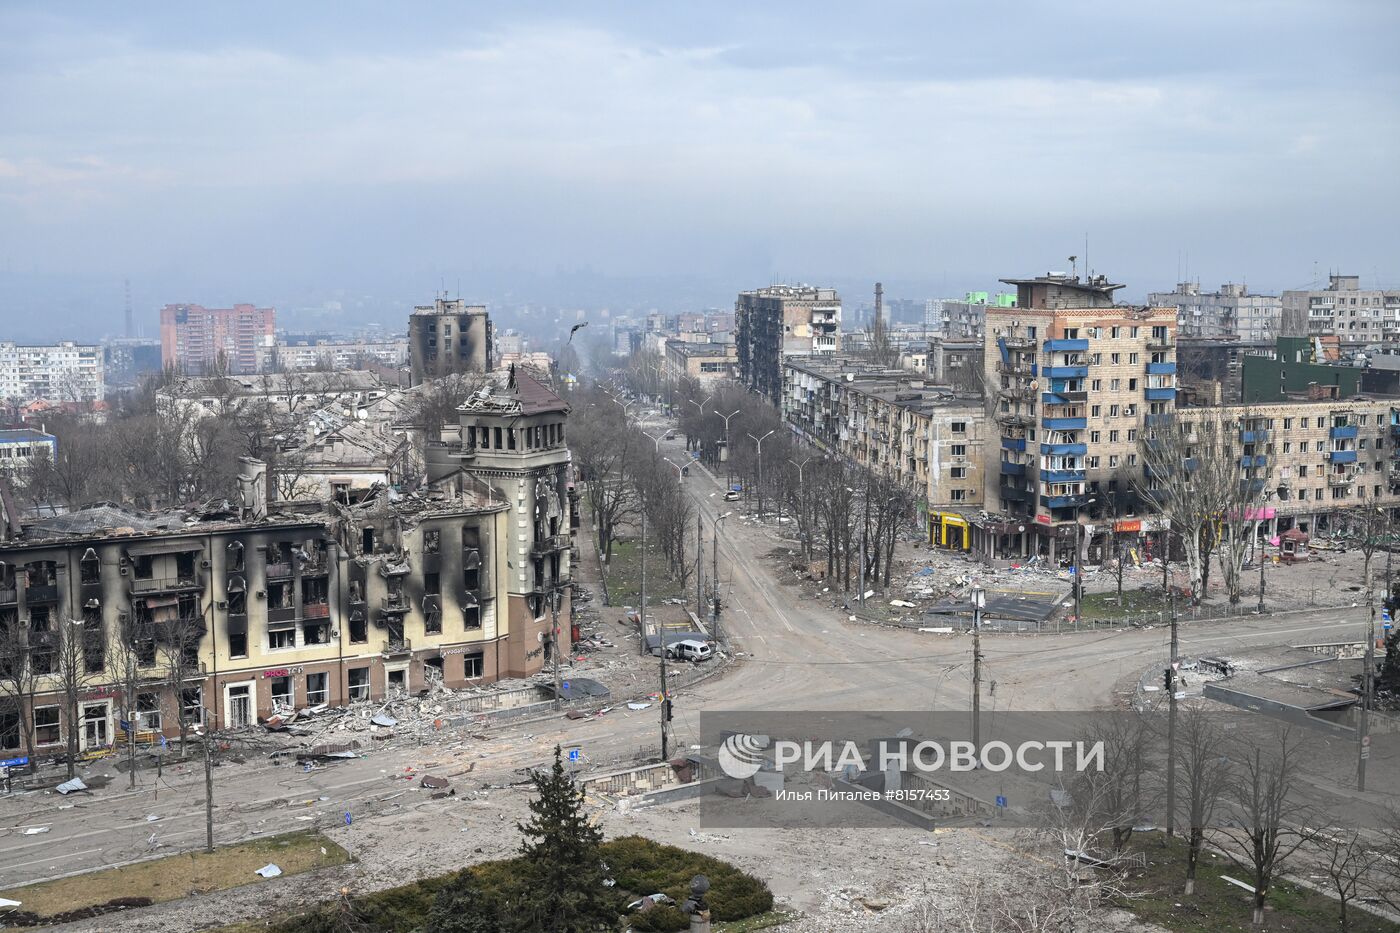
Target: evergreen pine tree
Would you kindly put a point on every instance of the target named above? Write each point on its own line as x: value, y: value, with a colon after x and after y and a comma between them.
x: 563, y: 866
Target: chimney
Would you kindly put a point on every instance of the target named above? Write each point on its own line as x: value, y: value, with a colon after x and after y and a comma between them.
x: 252, y: 489
x: 879, y: 301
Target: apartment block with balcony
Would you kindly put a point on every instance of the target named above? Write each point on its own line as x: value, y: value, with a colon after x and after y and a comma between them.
x: 780, y: 321
x: 924, y: 435
x: 1357, y: 316
x: 1230, y: 312
x: 305, y: 606
x: 196, y: 339
x: 61, y: 372
x: 1073, y: 380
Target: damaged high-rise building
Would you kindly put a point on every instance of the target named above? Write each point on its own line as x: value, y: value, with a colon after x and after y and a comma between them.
x: 446, y: 337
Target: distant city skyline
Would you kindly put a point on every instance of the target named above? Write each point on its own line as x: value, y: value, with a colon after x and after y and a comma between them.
x: 671, y: 157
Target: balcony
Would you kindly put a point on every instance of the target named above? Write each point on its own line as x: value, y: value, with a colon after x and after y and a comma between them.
x: 10, y: 594
x: 1067, y: 345
x: 394, y: 602
x: 1012, y: 469
x: 1016, y: 418
x: 1256, y: 460
x: 1253, y: 437
x: 1007, y: 443
x: 316, y: 611
x: 1161, y: 342
x: 1062, y: 476
x: 1066, y: 502
x: 1161, y: 369
x: 1014, y: 494
x: 1343, y: 433
x: 1017, y: 343
x: 1160, y: 395
x: 1027, y: 369
x: 1157, y: 421
x: 1064, y: 450
x: 41, y: 593
x: 1067, y: 396
x: 1064, y: 424
x: 282, y: 614
x: 160, y: 584
x: 279, y: 571
x: 1341, y: 456
x: 396, y: 647
x: 1344, y: 478
x: 1067, y: 372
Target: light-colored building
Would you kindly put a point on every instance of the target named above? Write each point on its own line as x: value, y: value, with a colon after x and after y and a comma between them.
x: 61, y: 372
x: 1358, y: 316
x: 927, y: 437
x: 1073, y: 379
x: 705, y: 362
x: 20, y: 446
x: 449, y: 336
x: 307, y: 353
x: 780, y: 321
x: 347, y: 391
x: 1233, y: 311
x: 196, y: 339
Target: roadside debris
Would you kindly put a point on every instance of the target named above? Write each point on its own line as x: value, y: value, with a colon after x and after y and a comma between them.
x: 269, y: 871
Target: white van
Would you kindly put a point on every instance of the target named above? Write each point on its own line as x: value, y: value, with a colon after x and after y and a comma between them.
x: 689, y: 650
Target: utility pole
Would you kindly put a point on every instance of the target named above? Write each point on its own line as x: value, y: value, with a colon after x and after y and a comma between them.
x: 714, y: 583
x: 860, y: 597
x: 728, y: 476
x: 1363, y: 747
x: 1170, y: 683
x: 699, y: 561
x: 208, y: 790
x: 554, y: 644
x: 979, y: 600
x: 660, y: 640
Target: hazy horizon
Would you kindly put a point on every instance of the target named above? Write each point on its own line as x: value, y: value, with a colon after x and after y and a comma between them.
x: 661, y: 157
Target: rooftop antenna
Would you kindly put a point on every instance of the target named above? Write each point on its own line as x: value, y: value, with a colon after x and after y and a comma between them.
x: 1074, y: 267
x: 1088, y: 272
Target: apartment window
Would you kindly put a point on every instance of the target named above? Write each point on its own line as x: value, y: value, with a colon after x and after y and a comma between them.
x: 238, y: 644
x: 1317, y: 494
x: 1115, y: 358
x: 958, y: 427
x: 1095, y: 359
x: 317, y: 689
x: 1132, y: 459
x: 1321, y: 422
x: 282, y: 694
x: 1132, y: 358
x: 958, y: 473
x: 1132, y: 385
x: 1361, y: 444
x: 46, y: 729
x: 358, y: 680
x: 1362, y: 419
x: 1096, y: 385
x: 958, y: 450
x: 1112, y: 461
x: 1303, y: 470
x: 1071, y: 333
x: 1318, y: 446
x: 1132, y: 435
x: 1133, y: 332
x: 1113, y: 411
x: 1115, y: 385
x: 1130, y: 411
x: 1339, y: 492
x: 958, y: 495
x: 1113, y: 438
x: 1092, y: 462
x: 1113, y: 333
x: 473, y: 665
x: 1095, y: 410
x: 471, y: 617
x: 1288, y: 447
x: 9, y: 728
x: 282, y: 638
x: 148, y: 711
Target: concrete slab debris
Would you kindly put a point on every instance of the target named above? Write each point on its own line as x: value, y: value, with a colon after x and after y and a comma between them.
x: 435, y: 783
x: 69, y: 787
x: 269, y: 871
x: 383, y: 719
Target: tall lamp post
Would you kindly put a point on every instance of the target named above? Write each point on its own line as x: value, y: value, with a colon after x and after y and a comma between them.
x: 714, y: 578
x: 802, y: 526
x: 979, y: 602
x: 758, y: 441
x: 726, y: 418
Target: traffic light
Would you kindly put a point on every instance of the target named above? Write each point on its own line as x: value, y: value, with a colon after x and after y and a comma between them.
x: 1167, y: 679
x: 667, y: 704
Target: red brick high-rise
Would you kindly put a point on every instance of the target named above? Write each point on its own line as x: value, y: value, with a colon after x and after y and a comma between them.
x: 193, y: 337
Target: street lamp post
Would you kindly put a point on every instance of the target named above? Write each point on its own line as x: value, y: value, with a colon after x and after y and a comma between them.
x: 802, y: 525
x: 714, y: 578
x: 759, y: 442
x: 726, y: 418
x: 979, y: 602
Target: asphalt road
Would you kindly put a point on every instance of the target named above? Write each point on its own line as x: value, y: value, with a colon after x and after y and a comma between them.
x: 796, y: 654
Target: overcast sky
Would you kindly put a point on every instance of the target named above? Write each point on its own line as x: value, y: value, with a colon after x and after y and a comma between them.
x: 301, y: 152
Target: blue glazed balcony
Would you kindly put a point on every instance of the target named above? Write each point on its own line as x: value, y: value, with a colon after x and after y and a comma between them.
x: 1257, y: 460
x: 1253, y: 437
x: 1065, y: 424
x: 1066, y: 502
x: 1013, y: 443
x: 1012, y: 469
x: 1062, y: 476
x: 1067, y: 372
x: 1066, y: 345
x: 1341, y: 456
x: 1051, y: 398
x: 1160, y: 395
x: 1346, y: 432
x: 1064, y: 450
x: 1161, y: 369
x: 1156, y: 421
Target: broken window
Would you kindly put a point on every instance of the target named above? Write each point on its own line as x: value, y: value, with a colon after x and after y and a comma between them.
x: 89, y: 568
x: 317, y: 689
x: 235, y: 556
x: 358, y: 679
x: 184, y: 565
x: 473, y: 665
x: 432, y: 541
x: 279, y: 595
x: 359, y: 631
x: 9, y: 726
x: 46, y: 726
x: 148, y: 711
x: 94, y: 640
x: 367, y: 540
x: 238, y: 644
x: 282, y: 694
x: 192, y: 704
x: 432, y: 584
x: 145, y: 567
x: 281, y: 638
x: 432, y: 615
x: 316, y: 632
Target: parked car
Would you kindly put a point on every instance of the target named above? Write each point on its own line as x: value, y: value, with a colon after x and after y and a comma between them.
x: 731, y: 496
x: 689, y: 650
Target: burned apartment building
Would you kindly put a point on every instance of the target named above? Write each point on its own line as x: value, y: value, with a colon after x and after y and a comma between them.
x: 1073, y: 380
x: 780, y: 321
x: 446, y: 337
x: 232, y: 611
x: 926, y: 436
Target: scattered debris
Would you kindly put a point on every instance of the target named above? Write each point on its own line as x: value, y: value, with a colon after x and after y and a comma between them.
x: 36, y: 830
x: 269, y: 871
x: 70, y: 787
x: 434, y: 783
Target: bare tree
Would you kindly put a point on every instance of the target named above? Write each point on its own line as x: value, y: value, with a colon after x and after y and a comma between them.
x: 1205, y: 773
x: 19, y: 676
x: 1243, y: 500
x: 1266, y: 824
x: 1119, y: 793
x: 73, y: 674
x: 879, y: 348
x: 130, y: 652
x: 178, y: 641
x: 1349, y: 861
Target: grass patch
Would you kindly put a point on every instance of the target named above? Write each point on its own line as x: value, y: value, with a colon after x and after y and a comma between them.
x: 177, y: 876
x: 1219, y: 906
x: 624, y: 572
x: 1135, y: 603
x: 740, y: 902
